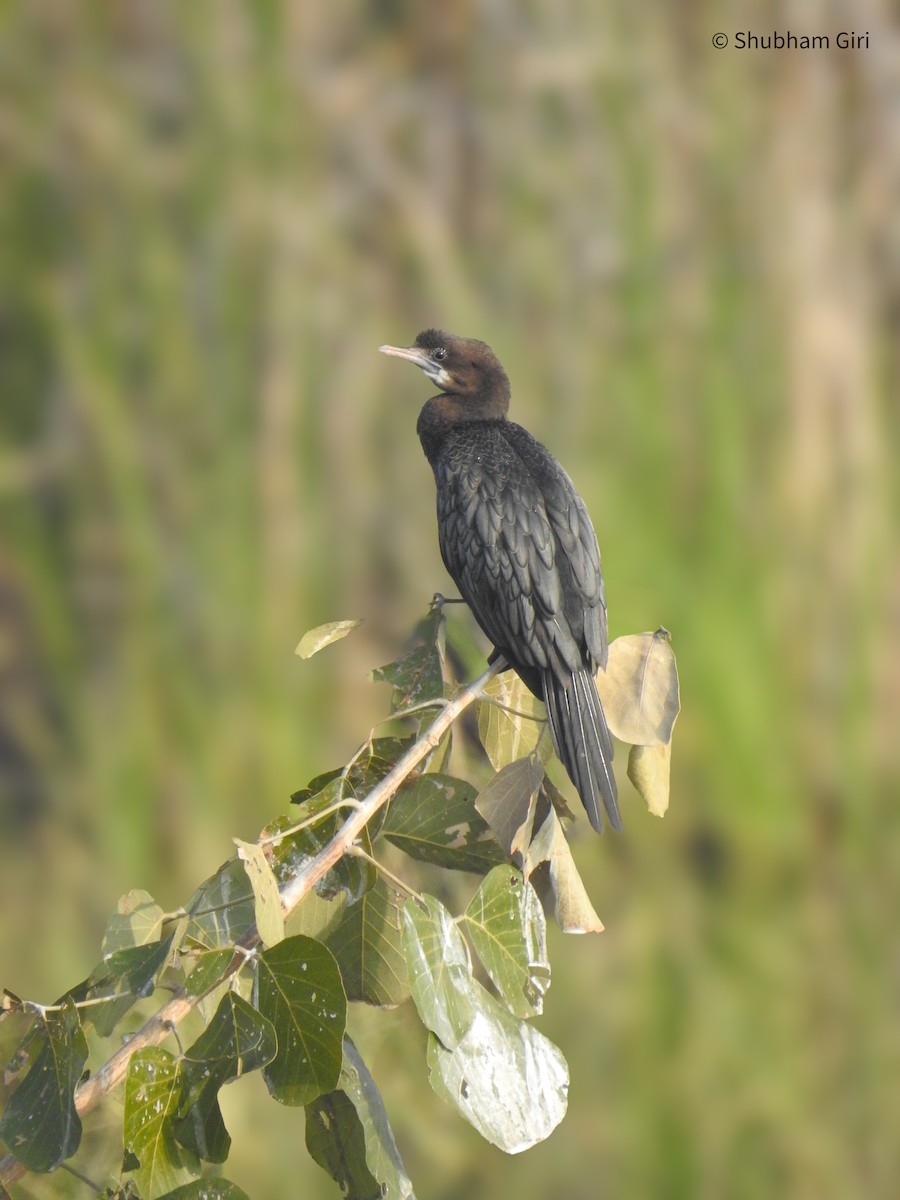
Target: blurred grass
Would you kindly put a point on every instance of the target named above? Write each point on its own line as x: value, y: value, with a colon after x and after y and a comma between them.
x: 688, y: 260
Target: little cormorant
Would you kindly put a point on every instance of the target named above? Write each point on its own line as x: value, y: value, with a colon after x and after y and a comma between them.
x: 519, y: 544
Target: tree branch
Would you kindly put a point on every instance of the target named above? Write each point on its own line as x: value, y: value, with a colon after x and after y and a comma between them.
x: 155, y: 1030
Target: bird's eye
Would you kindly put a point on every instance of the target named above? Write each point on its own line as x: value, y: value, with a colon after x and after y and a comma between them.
x: 439, y: 353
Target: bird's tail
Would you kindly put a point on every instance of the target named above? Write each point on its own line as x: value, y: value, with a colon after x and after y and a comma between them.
x: 582, y: 742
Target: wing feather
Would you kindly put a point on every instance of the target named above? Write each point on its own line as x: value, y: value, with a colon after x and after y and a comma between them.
x: 517, y: 540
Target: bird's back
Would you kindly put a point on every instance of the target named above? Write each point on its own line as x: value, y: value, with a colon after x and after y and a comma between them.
x: 517, y: 540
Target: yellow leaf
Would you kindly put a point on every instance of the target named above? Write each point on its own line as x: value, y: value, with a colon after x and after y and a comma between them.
x: 267, y: 902
x: 317, y: 639
x: 648, y: 770
x: 639, y: 689
x: 551, y: 868
x: 510, y: 720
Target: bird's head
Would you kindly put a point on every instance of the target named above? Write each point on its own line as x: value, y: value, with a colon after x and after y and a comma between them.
x: 461, y: 366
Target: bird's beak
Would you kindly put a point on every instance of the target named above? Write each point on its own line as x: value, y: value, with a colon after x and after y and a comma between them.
x: 412, y: 353
x: 423, y: 359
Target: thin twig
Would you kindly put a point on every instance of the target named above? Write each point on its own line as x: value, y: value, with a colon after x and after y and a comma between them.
x: 154, y: 1031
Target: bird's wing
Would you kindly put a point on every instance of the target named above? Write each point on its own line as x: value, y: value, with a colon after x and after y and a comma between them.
x: 577, y: 553
x: 579, y: 558
x: 520, y: 547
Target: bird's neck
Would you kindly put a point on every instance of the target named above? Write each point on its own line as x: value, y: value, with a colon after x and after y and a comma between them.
x: 448, y: 410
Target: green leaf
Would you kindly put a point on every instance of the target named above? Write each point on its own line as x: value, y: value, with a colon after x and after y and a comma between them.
x: 510, y: 720
x: 207, y: 1189
x: 434, y: 819
x: 321, y: 636
x: 416, y: 677
x: 137, y: 920
x: 153, y: 1093
x: 351, y: 876
x: 237, y: 1040
x: 266, y: 900
x: 125, y: 977
x: 21, y: 1040
x: 552, y: 871
x: 315, y: 917
x: 368, y: 946
x: 202, y: 1129
x: 299, y: 990
x: 209, y: 970
x: 506, y: 923
x: 508, y: 803
x: 348, y: 1134
x: 439, y: 969
x: 336, y: 1141
x: 508, y: 1080
x: 382, y: 1155
x: 505, y: 1078
x: 639, y: 688
x: 41, y: 1126
x: 222, y: 909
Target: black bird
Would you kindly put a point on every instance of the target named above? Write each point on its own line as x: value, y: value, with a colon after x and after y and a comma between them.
x: 519, y: 544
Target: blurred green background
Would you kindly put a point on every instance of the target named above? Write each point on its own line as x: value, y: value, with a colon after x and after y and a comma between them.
x: 689, y: 261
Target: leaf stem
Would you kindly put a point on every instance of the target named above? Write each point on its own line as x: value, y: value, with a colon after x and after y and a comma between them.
x: 358, y: 852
